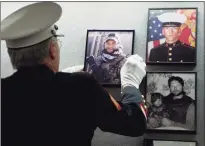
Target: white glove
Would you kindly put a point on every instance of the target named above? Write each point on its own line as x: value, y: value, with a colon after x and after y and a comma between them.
x: 133, y: 71
x: 72, y: 69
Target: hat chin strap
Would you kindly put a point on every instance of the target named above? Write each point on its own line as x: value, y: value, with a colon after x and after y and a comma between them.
x: 30, y: 40
x: 176, y: 24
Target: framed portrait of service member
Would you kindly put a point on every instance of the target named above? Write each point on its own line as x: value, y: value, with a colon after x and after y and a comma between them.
x: 171, y: 36
x: 160, y: 142
x: 106, y: 52
x: 171, y: 101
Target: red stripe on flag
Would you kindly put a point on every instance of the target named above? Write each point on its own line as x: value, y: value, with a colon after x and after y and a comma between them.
x: 144, y: 109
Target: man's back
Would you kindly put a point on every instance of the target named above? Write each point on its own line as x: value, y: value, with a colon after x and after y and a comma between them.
x: 40, y: 107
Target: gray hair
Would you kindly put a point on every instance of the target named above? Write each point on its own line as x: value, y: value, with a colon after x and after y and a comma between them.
x: 30, y: 56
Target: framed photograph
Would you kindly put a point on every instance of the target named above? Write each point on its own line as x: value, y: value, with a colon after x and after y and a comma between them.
x: 171, y: 36
x: 171, y: 101
x: 155, y: 142
x: 106, y: 52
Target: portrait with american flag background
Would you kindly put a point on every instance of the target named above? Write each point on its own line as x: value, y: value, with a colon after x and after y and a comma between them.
x: 155, y: 35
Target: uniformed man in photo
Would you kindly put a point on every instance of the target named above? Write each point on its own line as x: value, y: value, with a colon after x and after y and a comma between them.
x: 41, y: 106
x: 173, y: 50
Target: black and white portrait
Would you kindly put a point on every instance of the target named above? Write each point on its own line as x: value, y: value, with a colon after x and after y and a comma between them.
x: 171, y: 101
x: 106, y: 52
x: 150, y: 142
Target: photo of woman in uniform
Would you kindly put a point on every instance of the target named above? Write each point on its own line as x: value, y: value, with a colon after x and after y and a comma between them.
x: 106, y: 52
x: 171, y: 36
x: 171, y: 101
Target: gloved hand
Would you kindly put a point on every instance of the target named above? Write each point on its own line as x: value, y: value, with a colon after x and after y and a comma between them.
x: 72, y: 69
x: 90, y: 60
x: 133, y: 71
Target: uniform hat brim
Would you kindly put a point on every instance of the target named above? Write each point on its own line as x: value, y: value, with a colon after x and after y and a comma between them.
x: 172, y: 18
x: 111, y: 39
x: 31, y: 24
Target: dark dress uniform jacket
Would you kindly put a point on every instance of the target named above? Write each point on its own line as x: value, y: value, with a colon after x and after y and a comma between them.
x: 43, y: 108
x: 177, y: 52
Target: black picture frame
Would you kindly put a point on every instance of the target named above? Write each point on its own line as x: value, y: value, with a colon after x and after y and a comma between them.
x: 150, y: 142
x: 148, y: 47
x: 131, y: 51
x: 176, y: 131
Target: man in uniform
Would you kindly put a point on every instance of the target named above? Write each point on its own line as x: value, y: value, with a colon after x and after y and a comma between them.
x: 106, y: 67
x: 172, y: 50
x: 181, y: 108
x: 44, y: 107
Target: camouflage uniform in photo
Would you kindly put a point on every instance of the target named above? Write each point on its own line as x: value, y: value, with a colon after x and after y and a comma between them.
x: 106, y: 67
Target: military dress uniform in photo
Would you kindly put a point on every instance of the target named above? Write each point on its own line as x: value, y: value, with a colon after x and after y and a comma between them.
x: 44, y: 108
x: 175, y: 52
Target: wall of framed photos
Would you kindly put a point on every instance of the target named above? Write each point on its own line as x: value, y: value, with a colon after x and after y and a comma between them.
x: 78, y: 17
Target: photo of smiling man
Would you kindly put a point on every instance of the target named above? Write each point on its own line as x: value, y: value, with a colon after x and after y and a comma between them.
x: 170, y: 37
x: 106, y: 53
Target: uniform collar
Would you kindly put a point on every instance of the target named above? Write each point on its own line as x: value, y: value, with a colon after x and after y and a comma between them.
x: 39, y: 71
x: 172, y: 45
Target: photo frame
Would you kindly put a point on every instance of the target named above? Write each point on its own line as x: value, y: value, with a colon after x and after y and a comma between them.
x: 106, y: 52
x: 172, y: 36
x: 171, y: 100
x: 159, y: 142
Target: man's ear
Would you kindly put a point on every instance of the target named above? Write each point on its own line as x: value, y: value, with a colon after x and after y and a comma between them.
x: 52, y: 51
